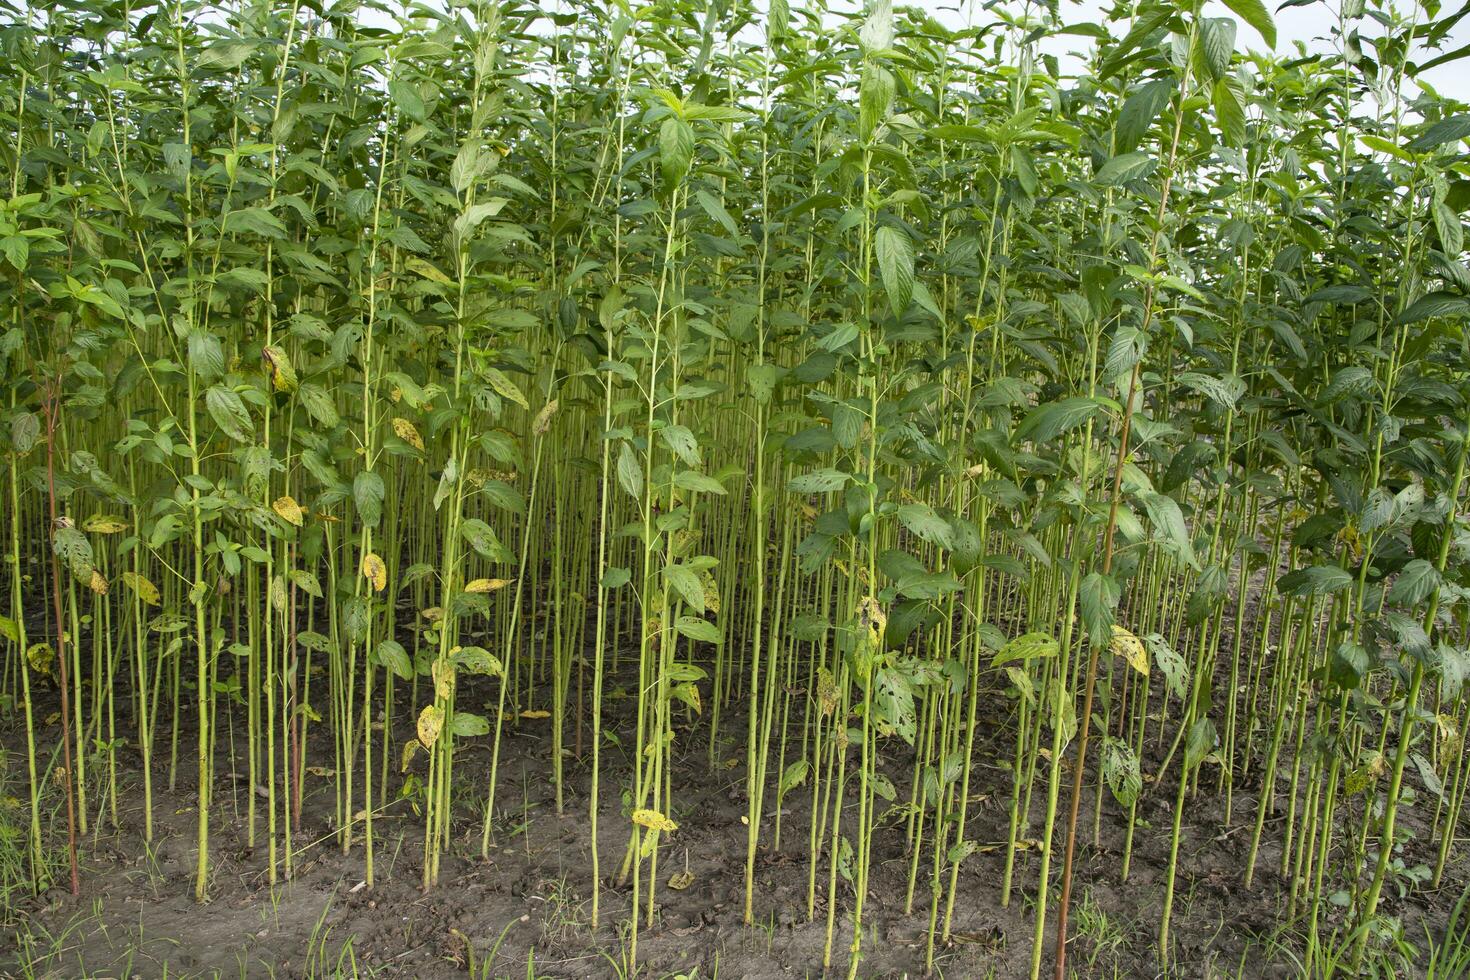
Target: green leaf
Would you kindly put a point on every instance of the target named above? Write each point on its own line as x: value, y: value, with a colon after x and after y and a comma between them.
x: 1123, y: 168
x: 478, y: 660
x: 895, y: 252
x: 319, y: 405
x: 698, y: 482
x: 25, y: 428
x: 682, y: 442
x: 1215, y: 43
x: 368, y: 492
x: 407, y: 98
x: 1047, y: 421
x: 1139, y: 112
x: 630, y: 473
x: 698, y: 629
x: 1168, y: 521
x: 1097, y: 597
x: 1414, y: 583
x: 1170, y: 664
x: 483, y: 539
x: 1435, y: 304
x: 675, y: 150
x: 1341, y: 293
x: 1027, y: 646
x: 464, y: 724
x: 1120, y: 769
x: 1314, y: 580
x: 717, y: 211
x: 1226, y: 390
x: 1200, y: 743
x: 390, y: 654
x: 447, y: 478
x: 257, y: 221
x: 966, y: 545
x: 926, y: 524
x: 74, y: 551
x: 1229, y: 114
x: 1254, y: 13
x: 206, y: 356
x: 818, y: 481
x: 686, y: 582
x: 229, y: 413
x: 1441, y: 132
x: 794, y: 775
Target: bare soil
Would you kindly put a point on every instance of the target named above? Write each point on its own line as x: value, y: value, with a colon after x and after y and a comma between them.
x: 526, y: 911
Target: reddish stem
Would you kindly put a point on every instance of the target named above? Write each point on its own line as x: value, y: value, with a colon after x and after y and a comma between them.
x: 48, y: 406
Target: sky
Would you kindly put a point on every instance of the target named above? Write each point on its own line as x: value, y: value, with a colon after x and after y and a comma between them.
x: 1309, y: 26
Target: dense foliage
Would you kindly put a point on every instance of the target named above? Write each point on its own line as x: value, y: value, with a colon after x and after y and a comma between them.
x: 830, y: 385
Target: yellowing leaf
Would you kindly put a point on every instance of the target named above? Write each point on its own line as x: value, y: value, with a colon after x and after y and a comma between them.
x: 289, y: 510
x: 653, y: 820
x: 375, y: 571
x: 543, y: 418
x: 428, y: 270
x: 146, y: 590
x: 505, y: 388
x: 104, y: 524
x: 480, y: 585
x: 1130, y: 648
x: 278, y: 362
x: 404, y: 429
x: 431, y: 722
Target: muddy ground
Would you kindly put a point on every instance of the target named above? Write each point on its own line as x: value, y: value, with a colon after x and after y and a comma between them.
x: 525, y: 912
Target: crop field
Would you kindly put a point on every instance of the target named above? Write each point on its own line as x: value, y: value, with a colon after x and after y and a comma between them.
x: 704, y: 488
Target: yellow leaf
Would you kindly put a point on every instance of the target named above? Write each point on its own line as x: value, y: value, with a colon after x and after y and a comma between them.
x: 681, y: 880
x: 1130, y: 648
x: 40, y: 656
x: 653, y: 820
x: 711, y: 591
x: 289, y: 510
x: 537, y: 713
x: 487, y: 584
x: 431, y: 722
x: 404, y: 429
x: 375, y: 570
x: 104, y: 524
x: 871, y: 615
x: 442, y: 671
x: 98, y: 584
